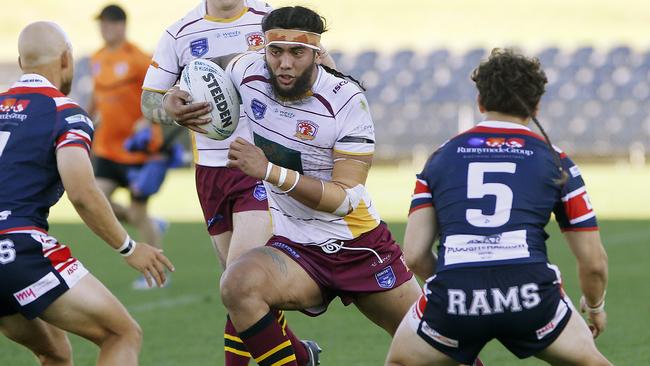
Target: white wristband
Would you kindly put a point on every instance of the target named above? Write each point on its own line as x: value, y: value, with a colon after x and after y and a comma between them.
x: 127, y: 248
x: 294, y: 183
x: 269, y: 168
x: 593, y: 310
x: 283, y: 177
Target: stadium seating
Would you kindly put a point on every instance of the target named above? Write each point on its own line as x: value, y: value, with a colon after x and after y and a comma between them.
x: 597, y: 102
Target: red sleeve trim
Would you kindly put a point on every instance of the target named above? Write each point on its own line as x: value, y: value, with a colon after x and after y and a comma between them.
x: 592, y: 228
x: 63, y: 107
x: 75, y: 144
x: 424, y: 205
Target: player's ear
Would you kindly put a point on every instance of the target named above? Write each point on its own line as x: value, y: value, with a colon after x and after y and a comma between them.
x: 536, y: 110
x: 65, y: 59
x: 481, y: 108
x: 20, y: 64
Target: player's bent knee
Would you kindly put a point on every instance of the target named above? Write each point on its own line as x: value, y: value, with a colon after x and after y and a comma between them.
x: 123, y: 329
x: 54, y: 359
x: 241, y: 280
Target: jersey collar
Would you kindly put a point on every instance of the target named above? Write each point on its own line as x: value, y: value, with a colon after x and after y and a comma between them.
x: 503, y: 124
x: 33, y: 81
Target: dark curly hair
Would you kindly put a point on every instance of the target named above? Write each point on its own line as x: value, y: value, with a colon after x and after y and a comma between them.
x: 513, y: 84
x: 299, y: 17
x: 294, y: 17
x: 510, y: 83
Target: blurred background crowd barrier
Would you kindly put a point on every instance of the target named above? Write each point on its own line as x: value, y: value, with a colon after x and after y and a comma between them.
x: 597, y: 103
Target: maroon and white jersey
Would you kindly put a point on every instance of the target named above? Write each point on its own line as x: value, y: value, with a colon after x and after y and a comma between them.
x: 198, y: 35
x: 302, y: 136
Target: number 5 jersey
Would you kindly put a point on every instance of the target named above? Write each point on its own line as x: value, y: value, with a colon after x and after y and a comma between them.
x: 494, y: 188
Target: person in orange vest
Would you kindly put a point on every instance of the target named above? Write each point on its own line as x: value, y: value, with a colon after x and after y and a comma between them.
x: 118, y: 70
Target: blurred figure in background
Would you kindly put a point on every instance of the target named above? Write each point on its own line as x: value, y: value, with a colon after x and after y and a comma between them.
x: 491, y: 278
x: 118, y: 70
x: 45, y: 141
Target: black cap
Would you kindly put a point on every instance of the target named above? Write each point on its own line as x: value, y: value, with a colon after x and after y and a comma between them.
x: 112, y: 13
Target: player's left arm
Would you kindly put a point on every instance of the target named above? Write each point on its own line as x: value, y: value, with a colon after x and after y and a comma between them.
x: 339, y: 196
x: 352, y: 155
x: 421, y: 233
x: 577, y: 220
x: 593, y: 275
x: 152, y: 107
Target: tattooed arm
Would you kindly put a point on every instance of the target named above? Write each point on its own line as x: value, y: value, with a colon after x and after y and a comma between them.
x: 152, y: 109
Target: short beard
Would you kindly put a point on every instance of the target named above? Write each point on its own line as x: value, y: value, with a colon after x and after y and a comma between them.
x: 301, y: 86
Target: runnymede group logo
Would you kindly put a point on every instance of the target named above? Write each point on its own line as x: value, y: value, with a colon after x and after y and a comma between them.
x: 495, y: 145
x: 497, y: 142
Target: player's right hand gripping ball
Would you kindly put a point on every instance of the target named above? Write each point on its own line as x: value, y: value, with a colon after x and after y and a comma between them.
x: 207, y: 82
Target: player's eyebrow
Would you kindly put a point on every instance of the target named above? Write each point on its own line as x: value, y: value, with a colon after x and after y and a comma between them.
x: 292, y: 48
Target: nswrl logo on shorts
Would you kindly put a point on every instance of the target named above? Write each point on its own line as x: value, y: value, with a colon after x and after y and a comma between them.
x: 386, y: 277
x: 259, y: 192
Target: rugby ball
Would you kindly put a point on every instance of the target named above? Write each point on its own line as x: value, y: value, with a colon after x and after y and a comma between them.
x: 207, y: 82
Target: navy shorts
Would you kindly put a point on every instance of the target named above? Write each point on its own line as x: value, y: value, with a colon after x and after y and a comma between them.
x: 35, y: 270
x: 522, y: 306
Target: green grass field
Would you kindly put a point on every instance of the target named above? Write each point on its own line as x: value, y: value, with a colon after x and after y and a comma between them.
x: 391, y: 188
x: 183, y: 324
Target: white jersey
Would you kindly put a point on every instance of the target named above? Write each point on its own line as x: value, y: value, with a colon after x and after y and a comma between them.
x: 302, y: 136
x: 198, y: 35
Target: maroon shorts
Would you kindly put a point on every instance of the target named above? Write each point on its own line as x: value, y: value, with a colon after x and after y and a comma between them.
x: 224, y: 191
x: 347, y: 273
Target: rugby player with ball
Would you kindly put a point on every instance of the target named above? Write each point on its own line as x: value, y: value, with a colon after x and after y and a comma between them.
x: 234, y: 205
x: 313, y: 146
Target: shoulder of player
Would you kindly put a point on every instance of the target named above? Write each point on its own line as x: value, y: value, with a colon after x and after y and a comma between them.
x: 561, y: 152
x: 252, y: 63
x: 338, y: 93
x: 258, y: 7
x: 66, y: 105
x: 192, y: 17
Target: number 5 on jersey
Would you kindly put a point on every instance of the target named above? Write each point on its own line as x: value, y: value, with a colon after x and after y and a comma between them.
x: 477, y: 188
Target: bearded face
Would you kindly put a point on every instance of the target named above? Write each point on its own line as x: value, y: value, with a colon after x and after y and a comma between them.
x: 292, y: 70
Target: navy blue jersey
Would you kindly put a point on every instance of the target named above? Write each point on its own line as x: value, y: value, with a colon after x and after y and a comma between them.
x: 493, y: 188
x: 36, y: 119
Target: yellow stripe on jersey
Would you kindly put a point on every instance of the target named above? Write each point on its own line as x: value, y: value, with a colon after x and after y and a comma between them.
x: 360, y: 220
x: 226, y: 20
x: 195, y: 150
x: 354, y: 153
x: 274, y: 350
x: 285, y: 360
x: 237, y: 352
x: 154, y: 90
